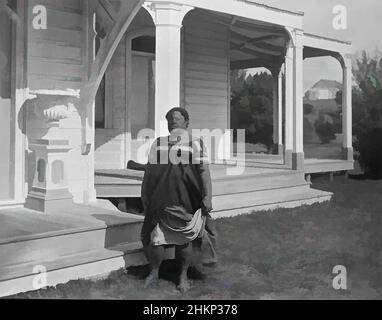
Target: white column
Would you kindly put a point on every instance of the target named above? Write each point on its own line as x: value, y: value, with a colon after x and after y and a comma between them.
x: 277, y: 113
x: 280, y: 111
x: 288, y: 106
x: 168, y: 19
x: 347, y: 145
x: 298, y: 116
x: 275, y: 102
x: 20, y: 97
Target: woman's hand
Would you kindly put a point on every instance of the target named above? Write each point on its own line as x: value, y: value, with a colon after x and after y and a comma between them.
x: 206, y: 206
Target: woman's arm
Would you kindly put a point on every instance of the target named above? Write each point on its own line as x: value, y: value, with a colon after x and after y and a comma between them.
x: 207, y: 188
x: 145, y: 189
x: 205, y: 175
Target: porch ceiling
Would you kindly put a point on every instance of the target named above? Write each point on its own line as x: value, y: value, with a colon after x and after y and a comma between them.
x: 260, y: 44
x: 256, y: 45
x: 310, y: 52
x: 253, y: 43
x: 318, y: 46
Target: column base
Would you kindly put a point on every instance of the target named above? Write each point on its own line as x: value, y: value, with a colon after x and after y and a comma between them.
x: 48, y: 201
x: 288, y: 158
x: 90, y: 196
x: 347, y: 154
x: 298, y: 161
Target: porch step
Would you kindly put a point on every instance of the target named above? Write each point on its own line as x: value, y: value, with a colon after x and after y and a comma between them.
x: 96, y: 230
x: 262, y: 190
x: 259, y: 182
x: 65, y: 261
x: 127, y: 183
x: 233, y: 205
x: 246, y: 199
x: 103, y: 240
x: 92, y: 263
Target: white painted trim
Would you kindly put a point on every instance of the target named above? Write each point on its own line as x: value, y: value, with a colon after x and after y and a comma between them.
x: 90, y: 270
x: 347, y: 103
x: 168, y: 18
x: 298, y: 145
x: 182, y: 87
x: 10, y: 204
x: 269, y: 207
x: 289, y: 99
x: 243, y: 9
x: 326, y: 44
x: 280, y: 107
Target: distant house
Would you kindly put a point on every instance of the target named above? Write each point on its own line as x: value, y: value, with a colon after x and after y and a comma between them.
x: 323, y: 89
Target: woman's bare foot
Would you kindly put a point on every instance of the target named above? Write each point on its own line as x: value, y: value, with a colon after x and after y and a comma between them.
x: 152, y: 280
x: 184, y: 285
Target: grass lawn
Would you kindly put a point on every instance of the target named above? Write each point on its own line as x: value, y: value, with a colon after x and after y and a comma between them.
x: 284, y: 254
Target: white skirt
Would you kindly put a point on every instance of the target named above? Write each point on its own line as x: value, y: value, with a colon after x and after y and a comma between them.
x: 166, y: 236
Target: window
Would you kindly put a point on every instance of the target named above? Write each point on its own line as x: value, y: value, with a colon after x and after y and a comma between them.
x: 143, y: 86
x: 100, y: 107
x: 7, y: 129
x: 144, y: 44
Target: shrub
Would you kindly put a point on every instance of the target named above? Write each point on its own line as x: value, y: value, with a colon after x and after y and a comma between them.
x: 308, y: 108
x: 369, y: 146
x: 308, y: 130
x: 325, y: 130
x: 252, y: 107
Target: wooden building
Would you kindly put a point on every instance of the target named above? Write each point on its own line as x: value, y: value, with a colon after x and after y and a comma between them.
x: 77, y: 91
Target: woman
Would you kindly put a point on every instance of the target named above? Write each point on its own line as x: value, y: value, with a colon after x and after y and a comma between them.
x: 176, y: 195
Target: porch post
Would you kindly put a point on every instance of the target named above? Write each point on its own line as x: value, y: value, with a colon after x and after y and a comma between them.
x: 298, y: 116
x: 347, y: 146
x: 277, y: 110
x: 288, y: 148
x: 280, y: 107
x: 168, y: 19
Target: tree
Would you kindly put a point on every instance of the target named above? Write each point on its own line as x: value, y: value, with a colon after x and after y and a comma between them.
x: 252, y: 106
x: 308, y: 108
x: 324, y: 129
x: 367, y: 113
x: 308, y: 130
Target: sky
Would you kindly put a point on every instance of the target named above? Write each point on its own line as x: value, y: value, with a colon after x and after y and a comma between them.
x: 364, y: 24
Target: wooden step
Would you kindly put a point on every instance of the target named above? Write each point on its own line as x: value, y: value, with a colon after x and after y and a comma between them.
x: 259, y: 182
x: 92, y: 263
x: 127, y: 183
x: 253, y: 198
x: 65, y: 261
x: 286, y: 199
x: 85, y: 265
x: 102, y: 229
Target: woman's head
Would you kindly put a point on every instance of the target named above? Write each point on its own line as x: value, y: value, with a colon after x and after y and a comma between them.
x: 177, y: 118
